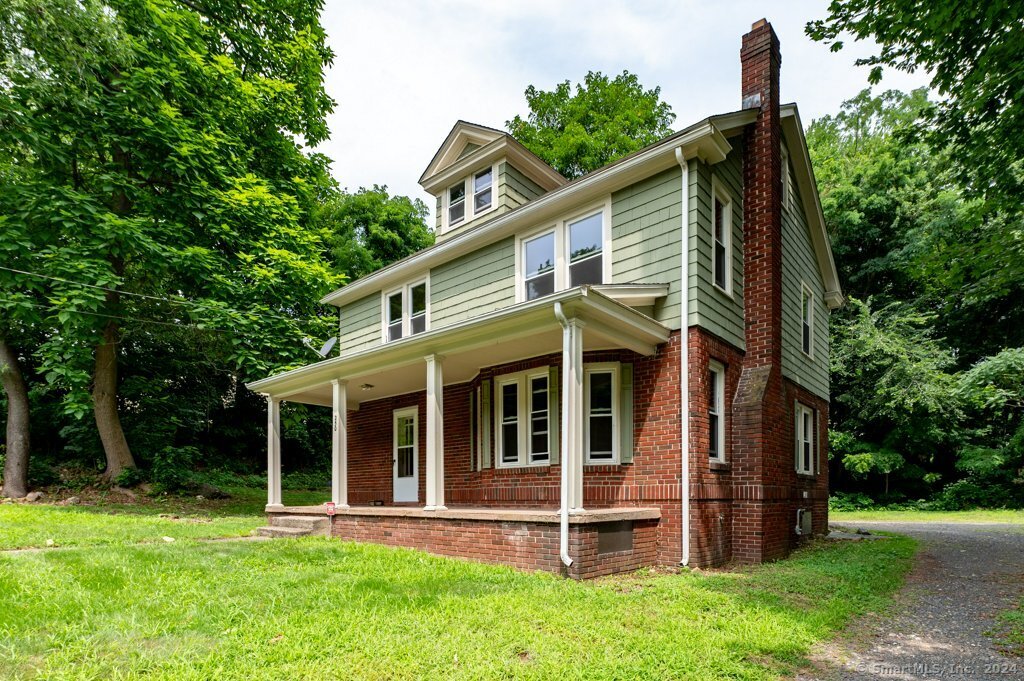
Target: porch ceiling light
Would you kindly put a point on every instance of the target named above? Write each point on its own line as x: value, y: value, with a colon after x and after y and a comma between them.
x: 366, y: 386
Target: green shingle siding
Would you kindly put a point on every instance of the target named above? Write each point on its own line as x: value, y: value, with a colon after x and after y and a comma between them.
x: 474, y: 284
x: 799, y: 264
x: 514, y: 188
x: 646, y: 238
x: 360, y: 326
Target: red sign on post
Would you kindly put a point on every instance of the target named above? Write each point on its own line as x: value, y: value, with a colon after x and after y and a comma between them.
x: 330, y: 507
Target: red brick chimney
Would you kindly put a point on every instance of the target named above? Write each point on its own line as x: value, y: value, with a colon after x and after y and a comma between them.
x: 762, y: 197
x: 760, y: 452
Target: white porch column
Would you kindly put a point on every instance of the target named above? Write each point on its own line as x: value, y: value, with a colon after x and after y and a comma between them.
x: 273, y: 451
x: 339, y: 444
x: 435, y: 434
x: 572, y: 411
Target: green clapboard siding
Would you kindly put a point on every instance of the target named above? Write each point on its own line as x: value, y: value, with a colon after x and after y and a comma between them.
x: 646, y: 238
x: 514, y: 188
x: 710, y: 308
x: 474, y: 284
x: 799, y: 264
x: 360, y: 324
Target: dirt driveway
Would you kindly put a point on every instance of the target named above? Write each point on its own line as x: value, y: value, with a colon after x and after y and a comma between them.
x: 964, y: 576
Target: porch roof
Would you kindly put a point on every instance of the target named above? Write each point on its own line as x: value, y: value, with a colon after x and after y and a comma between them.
x: 514, y: 333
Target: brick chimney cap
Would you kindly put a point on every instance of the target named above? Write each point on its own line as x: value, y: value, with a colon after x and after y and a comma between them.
x: 758, y: 24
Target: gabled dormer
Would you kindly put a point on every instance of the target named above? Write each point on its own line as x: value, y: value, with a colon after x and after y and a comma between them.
x: 479, y: 173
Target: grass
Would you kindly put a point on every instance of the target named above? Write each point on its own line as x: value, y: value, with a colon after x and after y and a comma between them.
x: 912, y: 516
x: 149, y: 520
x: 322, y: 608
x: 1010, y: 633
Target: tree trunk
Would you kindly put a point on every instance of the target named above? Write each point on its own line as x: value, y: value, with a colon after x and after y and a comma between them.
x: 104, y: 400
x: 16, y: 461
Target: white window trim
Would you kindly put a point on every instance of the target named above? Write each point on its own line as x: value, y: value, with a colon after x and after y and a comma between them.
x: 522, y: 379
x: 798, y: 441
x: 719, y: 399
x: 723, y: 195
x: 467, y: 184
x: 561, y: 230
x: 805, y: 289
x: 614, y: 369
x: 787, y: 181
x: 406, y: 291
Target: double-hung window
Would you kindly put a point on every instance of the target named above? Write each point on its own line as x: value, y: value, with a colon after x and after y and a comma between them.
x: 523, y: 418
x: 482, y: 193
x: 721, y: 222
x: 806, y: 430
x: 539, y: 272
x: 716, y: 412
x: 570, y: 254
x: 456, y: 203
x: 806, y: 320
x: 405, y: 311
x: 600, y: 391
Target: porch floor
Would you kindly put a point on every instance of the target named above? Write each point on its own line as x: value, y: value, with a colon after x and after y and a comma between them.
x: 519, y: 515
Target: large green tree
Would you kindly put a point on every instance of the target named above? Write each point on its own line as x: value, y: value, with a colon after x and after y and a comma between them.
x: 579, y: 130
x: 165, y: 182
x: 972, y: 51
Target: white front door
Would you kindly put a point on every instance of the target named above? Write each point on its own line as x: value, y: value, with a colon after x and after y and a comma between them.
x: 406, y: 454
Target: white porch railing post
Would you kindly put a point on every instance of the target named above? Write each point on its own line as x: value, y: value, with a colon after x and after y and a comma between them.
x: 273, y: 451
x: 435, y: 434
x: 339, y: 444
x: 572, y: 406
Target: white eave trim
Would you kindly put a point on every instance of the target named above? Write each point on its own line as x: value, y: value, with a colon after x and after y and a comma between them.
x: 636, y: 330
x: 634, y: 295
x: 702, y: 140
x: 801, y: 159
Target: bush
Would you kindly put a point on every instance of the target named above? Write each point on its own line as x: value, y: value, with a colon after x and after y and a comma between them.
x: 173, y: 467
x: 129, y: 477
x: 849, y: 501
x: 977, y: 492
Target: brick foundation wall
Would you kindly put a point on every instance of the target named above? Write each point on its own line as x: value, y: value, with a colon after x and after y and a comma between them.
x: 523, y: 545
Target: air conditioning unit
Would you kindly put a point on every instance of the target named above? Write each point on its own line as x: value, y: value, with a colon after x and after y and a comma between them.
x: 804, y: 521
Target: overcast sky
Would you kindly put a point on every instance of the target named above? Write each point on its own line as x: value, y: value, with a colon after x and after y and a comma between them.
x: 405, y: 71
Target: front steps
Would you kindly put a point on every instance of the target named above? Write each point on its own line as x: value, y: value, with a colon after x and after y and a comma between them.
x: 295, y: 526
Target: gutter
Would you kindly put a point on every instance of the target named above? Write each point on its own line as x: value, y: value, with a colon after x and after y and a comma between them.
x: 563, y: 508
x: 684, y: 355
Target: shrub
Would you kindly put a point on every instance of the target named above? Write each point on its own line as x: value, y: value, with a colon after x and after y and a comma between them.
x: 849, y: 501
x: 173, y: 466
x: 129, y: 477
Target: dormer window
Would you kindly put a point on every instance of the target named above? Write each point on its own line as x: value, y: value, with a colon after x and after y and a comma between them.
x: 456, y: 203
x: 482, y: 191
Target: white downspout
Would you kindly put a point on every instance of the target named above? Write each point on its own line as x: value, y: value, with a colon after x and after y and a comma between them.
x: 563, y: 510
x: 684, y: 354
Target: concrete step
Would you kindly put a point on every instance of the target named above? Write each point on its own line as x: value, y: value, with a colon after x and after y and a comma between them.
x: 314, y: 524
x: 282, y: 532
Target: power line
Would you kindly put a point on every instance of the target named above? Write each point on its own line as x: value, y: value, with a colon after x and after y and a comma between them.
x: 176, y: 301
x: 111, y: 316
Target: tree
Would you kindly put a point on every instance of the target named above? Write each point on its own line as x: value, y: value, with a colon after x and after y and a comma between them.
x: 370, y: 229
x: 18, y: 431
x: 605, y: 119
x: 167, y: 182
x: 973, y: 52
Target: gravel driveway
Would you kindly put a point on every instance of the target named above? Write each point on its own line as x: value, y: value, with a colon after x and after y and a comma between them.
x: 964, y: 576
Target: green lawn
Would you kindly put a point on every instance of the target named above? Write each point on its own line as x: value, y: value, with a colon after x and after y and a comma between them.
x: 322, y: 608
x: 1010, y: 631
x: 977, y: 516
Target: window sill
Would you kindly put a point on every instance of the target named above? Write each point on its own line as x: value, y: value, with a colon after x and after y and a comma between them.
x: 720, y: 466
x: 728, y: 295
x: 521, y: 466
x: 807, y: 476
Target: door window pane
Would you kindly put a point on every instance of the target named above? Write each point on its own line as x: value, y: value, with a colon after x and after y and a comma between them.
x: 585, y: 243
x: 482, y: 191
x: 539, y: 273
x: 406, y: 446
x: 600, y: 416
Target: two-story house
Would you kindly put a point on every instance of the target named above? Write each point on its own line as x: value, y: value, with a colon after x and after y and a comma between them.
x: 627, y: 369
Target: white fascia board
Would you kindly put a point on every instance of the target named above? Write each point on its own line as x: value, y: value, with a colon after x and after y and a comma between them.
x: 634, y: 295
x: 518, y: 320
x: 798, y: 154
x: 702, y: 140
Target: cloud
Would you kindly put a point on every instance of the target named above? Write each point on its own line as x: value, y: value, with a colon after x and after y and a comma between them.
x: 405, y: 71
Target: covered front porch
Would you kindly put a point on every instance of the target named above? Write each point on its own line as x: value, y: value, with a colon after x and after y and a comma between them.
x: 416, y: 373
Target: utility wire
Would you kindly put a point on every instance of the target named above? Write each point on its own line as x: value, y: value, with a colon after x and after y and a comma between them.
x: 111, y: 316
x: 176, y: 301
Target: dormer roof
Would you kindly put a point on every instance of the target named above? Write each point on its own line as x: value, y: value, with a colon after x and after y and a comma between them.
x: 469, y: 144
